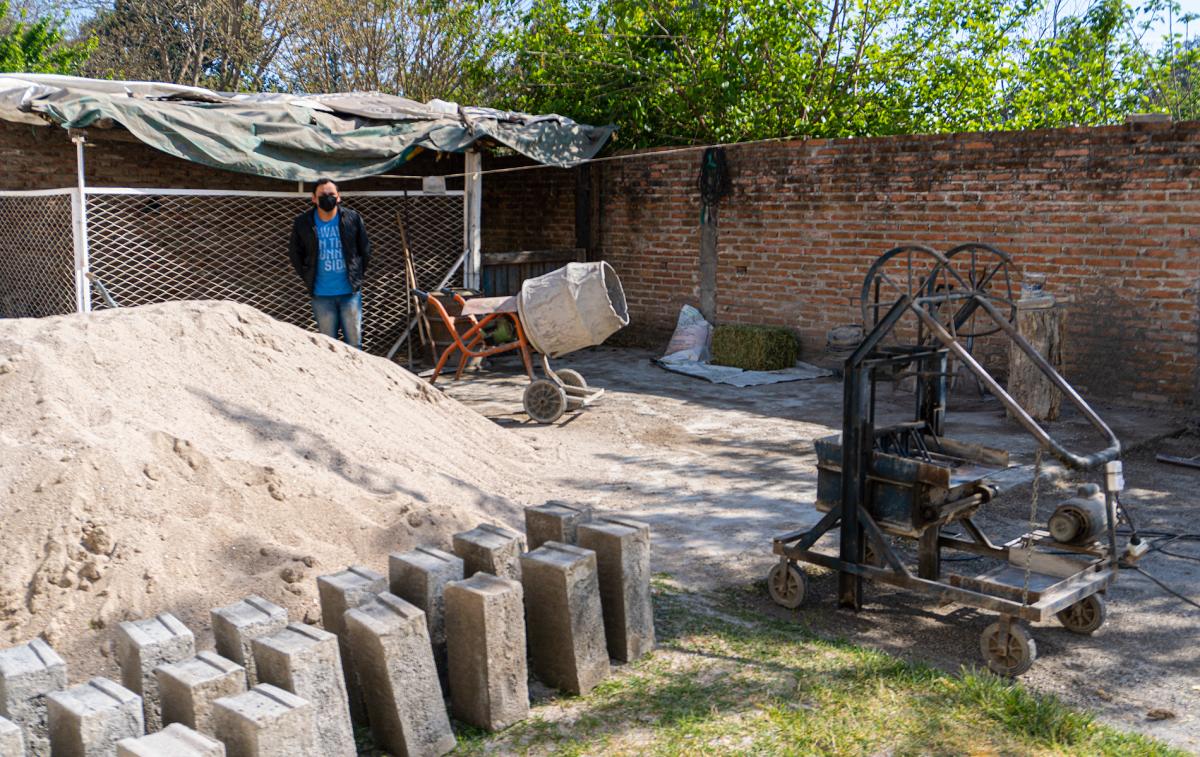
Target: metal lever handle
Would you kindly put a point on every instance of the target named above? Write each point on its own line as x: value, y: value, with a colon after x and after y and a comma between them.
x: 1069, y: 458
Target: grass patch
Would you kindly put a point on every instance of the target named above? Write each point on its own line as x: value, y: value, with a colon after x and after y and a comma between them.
x: 727, y: 680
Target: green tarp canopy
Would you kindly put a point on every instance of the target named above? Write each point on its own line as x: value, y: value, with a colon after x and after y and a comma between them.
x: 294, y: 137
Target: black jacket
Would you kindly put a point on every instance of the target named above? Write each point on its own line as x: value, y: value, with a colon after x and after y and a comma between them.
x: 304, y: 250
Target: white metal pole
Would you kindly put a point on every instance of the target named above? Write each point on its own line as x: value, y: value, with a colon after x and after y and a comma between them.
x: 83, y: 290
x: 472, y: 210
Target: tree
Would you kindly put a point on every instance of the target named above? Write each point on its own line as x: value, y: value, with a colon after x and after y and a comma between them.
x: 224, y: 44
x: 421, y: 49
x: 670, y: 71
x: 38, y: 46
x: 685, y: 70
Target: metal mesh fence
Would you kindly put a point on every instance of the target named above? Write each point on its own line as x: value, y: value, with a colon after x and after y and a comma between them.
x: 154, y: 247
x: 37, y: 255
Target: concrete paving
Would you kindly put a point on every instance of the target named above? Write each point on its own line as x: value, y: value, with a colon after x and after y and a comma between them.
x: 340, y: 592
x: 304, y: 660
x: 489, y: 548
x: 485, y: 626
x: 395, y: 666
x: 28, y: 673
x: 176, y: 740
x: 554, y: 521
x: 717, y: 471
x: 564, y: 619
x: 622, y: 548
x: 266, y: 721
x: 237, y: 626
x: 88, y: 720
x: 11, y: 740
x: 143, y: 645
x: 187, y: 689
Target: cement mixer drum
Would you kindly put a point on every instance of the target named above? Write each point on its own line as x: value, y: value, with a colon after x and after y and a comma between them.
x: 579, y: 305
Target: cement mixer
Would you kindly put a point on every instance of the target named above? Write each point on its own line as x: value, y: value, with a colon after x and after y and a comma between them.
x: 576, y: 306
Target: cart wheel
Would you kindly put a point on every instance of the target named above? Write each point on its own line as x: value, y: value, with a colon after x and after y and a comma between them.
x: 787, y: 585
x: 545, y: 401
x: 1010, y: 656
x: 1085, y: 616
x: 572, y: 377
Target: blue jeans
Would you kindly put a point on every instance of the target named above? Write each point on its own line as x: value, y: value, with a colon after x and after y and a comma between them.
x: 344, y: 312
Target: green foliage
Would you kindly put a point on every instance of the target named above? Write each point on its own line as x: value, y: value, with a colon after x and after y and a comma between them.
x: 754, y: 348
x: 682, y: 71
x: 38, y: 46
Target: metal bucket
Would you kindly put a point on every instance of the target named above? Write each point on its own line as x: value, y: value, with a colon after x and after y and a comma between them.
x: 579, y: 305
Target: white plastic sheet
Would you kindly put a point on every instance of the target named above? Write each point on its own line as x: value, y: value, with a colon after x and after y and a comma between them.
x: 688, y: 353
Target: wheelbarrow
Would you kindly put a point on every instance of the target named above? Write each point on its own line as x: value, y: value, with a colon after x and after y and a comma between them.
x: 579, y: 305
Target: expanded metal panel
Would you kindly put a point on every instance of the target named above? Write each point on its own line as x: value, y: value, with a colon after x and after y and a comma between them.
x: 148, y: 247
x: 37, y: 256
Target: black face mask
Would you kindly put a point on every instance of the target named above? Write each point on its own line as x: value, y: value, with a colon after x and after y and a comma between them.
x: 327, y: 202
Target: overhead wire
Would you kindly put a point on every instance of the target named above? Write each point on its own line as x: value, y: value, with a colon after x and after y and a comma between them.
x: 627, y: 156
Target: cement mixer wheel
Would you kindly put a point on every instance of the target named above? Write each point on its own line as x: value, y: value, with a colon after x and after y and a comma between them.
x: 572, y: 377
x: 545, y: 401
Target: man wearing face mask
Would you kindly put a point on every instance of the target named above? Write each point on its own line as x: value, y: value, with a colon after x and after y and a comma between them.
x: 330, y: 250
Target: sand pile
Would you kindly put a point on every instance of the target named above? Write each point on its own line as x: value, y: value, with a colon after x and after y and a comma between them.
x: 178, y: 457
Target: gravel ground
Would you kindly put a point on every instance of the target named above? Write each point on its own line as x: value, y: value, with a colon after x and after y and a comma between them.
x: 717, y: 471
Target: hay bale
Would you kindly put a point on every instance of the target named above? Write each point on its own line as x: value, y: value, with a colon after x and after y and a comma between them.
x: 755, y: 348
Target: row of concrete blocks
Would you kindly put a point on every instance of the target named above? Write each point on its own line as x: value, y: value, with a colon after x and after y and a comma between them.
x: 205, y: 700
x: 275, y: 689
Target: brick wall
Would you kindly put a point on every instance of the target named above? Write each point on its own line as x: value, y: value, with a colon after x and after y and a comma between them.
x: 1110, y: 215
x: 527, y: 209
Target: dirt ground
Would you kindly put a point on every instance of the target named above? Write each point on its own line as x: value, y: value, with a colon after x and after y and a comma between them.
x: 717, y: 471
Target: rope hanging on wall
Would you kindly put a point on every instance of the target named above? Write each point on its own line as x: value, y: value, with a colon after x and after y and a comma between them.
x: 713, y: 182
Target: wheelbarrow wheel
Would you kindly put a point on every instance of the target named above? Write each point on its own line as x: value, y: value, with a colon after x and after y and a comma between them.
x: 1009, y: 654
x: 545, y: 401
x: 1085, y: 616
x: 787, y: 585
x: 572, y: 377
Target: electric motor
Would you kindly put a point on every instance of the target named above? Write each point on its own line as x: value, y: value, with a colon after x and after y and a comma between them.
x: 1079, y: 520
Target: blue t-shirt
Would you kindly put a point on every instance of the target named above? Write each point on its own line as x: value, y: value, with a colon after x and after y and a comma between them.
x: 331, y: 278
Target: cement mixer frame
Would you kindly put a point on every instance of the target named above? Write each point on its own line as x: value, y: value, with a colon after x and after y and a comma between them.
x: 545, y: 400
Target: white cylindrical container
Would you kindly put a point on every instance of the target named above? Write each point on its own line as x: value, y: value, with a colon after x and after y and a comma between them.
x: 579, y: 305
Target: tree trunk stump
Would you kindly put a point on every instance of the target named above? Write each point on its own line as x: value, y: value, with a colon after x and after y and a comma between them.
x: 1045, y: 329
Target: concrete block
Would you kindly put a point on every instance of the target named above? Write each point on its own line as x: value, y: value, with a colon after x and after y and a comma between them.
x: 176, y: 740
x: 237, y: 626
x: 395, y: 665
x: 143, y: 645
x: 11, y: 740
x: 305, y: 660
x: 266, y: 721
x: 622, y: 550
x: 419, y: 577
x: 563, y: 616
x: 27, y: 674
x: 485, y: 632
x: 340, y: 592
x: 88, y: 720
x: 187, y: 689
x: 554, y: 521
x: 490, y: 549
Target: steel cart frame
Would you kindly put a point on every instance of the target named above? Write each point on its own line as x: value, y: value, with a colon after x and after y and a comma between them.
x: 909, y: 481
